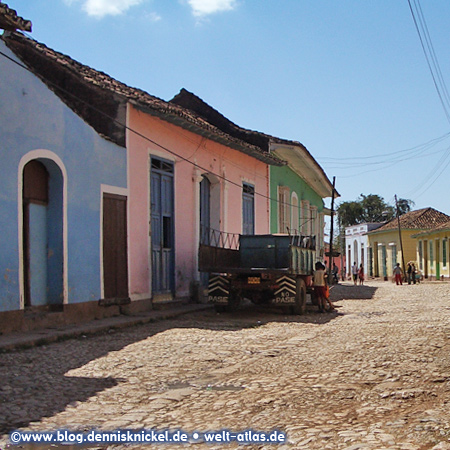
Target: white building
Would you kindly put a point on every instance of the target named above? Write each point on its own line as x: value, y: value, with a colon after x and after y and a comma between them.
x: 357, y: 246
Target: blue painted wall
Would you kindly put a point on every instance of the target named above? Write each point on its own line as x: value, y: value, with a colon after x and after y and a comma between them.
x: 32, y: 117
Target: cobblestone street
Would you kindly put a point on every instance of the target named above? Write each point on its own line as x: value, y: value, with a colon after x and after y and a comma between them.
x: 374, y: 375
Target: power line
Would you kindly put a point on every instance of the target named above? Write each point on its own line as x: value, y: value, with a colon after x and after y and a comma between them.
x: 432, y: 176
x: 430, y: 55
x: 412, y: 150
x: 139, y: 134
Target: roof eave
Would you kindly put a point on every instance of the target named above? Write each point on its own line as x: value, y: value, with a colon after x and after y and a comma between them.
x: 433, y: 231
x: 219, y: 137
x: 303, y: 164
x: 10, y: 21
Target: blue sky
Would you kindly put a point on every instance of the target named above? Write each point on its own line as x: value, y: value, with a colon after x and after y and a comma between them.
x: 347, y: 78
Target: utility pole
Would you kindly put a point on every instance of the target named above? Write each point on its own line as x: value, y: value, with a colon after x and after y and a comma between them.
x: 331, y: 259
x: 400, y: 237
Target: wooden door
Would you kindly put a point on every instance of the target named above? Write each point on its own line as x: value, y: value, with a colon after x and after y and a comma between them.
x: 115, y: 261
x: 205, y: 220
x: 162, y: 226
x: 35, y: 202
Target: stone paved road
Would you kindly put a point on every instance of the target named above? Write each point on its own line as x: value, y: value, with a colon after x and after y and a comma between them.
x: 374, y: 376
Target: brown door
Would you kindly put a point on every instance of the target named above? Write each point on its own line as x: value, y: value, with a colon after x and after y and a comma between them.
x: 115, y: 267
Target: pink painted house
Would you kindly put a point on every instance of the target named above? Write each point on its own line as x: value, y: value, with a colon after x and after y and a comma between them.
x: 185, y: 176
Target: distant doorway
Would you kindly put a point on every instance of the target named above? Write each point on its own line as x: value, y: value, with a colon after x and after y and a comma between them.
x: 42, y: 208
x: 438, y: 257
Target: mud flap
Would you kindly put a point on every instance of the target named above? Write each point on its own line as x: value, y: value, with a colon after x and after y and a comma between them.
x: 285, y: 294
x: 218, y: 290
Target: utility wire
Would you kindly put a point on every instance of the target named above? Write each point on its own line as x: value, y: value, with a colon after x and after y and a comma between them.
x: 139, y: 134
x: 432, y: 176
x: 432, y: 61
x: 412, y: 150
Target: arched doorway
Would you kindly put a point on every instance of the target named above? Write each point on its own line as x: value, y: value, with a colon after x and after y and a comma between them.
x: 42, y: 225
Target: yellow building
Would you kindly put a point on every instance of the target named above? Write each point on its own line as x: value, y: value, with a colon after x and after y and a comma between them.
x: 433, y: 253
x: 386, y: 242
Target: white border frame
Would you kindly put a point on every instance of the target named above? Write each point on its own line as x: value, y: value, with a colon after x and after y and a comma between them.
x: 30, y: 156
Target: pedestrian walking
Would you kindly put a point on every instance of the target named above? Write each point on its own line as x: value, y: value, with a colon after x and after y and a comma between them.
x: 361, y: 274
x: 335, y: 273
x: 413, y: 273
x: 409, y: 273
x: 355, y: 273
x: 398, y: 272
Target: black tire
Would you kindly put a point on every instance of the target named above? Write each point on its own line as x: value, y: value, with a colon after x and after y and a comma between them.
x: 234, y: 301
x: 300, y: 297
x: 219, y: 308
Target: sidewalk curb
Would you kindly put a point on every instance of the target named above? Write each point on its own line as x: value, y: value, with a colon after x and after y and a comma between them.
x: 23, y: 340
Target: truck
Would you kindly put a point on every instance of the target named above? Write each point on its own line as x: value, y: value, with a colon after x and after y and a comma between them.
x: 266, y: 269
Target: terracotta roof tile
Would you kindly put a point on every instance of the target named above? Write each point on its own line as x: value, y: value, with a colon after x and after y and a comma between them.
x: 10, y: 21
x: 421, y: 219
x: 196, y: 104
x: 39, y: 58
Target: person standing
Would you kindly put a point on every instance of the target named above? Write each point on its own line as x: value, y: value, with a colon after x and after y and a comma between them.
x: 413, y: 273
x: 361, y: 274
x: 409, y: 272
x: 355, y: 273
x: 335, y: 273
x: 398, y: 272
x: 320, y: 287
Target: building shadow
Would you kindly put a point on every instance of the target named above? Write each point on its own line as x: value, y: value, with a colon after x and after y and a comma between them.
x: 36, y: 385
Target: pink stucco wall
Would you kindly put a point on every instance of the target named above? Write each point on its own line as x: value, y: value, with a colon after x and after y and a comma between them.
x: 214, y: 158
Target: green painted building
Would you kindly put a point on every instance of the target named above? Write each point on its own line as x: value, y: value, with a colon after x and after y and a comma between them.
x: 297, y: 192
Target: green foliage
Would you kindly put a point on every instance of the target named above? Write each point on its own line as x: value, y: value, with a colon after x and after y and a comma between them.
x: 370, y: 208
x: 404, y: 205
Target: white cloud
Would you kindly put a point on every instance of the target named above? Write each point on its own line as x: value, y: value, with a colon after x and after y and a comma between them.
x: 153, y: 17
x: 100, y: 8
x: 201, y: 8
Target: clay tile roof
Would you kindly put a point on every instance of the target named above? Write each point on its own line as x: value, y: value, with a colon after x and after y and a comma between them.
x: 442, y: 227
x: 57, y: 69
x: 196, y: 104
x: 10, y: 21
x: 421, y: 219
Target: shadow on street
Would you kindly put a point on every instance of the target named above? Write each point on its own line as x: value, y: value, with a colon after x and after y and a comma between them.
x: 34, y: 381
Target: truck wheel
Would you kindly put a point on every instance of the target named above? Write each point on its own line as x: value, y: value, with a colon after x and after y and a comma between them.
x: 219, y: 308
x: 300, y: 297
x: 234, y: 301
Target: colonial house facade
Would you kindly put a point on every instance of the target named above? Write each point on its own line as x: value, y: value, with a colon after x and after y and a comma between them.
x: 107, y: 191
x: 357, y: 248
x: 296, y: 189
x: 62, y: 186
x: 297, y: 193
x: 385, y: 243
x: 432, y: 252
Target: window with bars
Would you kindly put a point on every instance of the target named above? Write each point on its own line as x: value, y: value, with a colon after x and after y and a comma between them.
x: 295, y: 214
x: 284, y: 224
x: 305, y: 219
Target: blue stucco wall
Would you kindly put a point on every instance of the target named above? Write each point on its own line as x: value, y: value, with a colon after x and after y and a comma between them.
x: 33, y: 118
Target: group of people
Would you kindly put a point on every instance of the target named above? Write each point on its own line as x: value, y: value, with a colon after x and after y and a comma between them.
x: 410, y: 272
x: 358, y: 274
x: 321, y: 290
